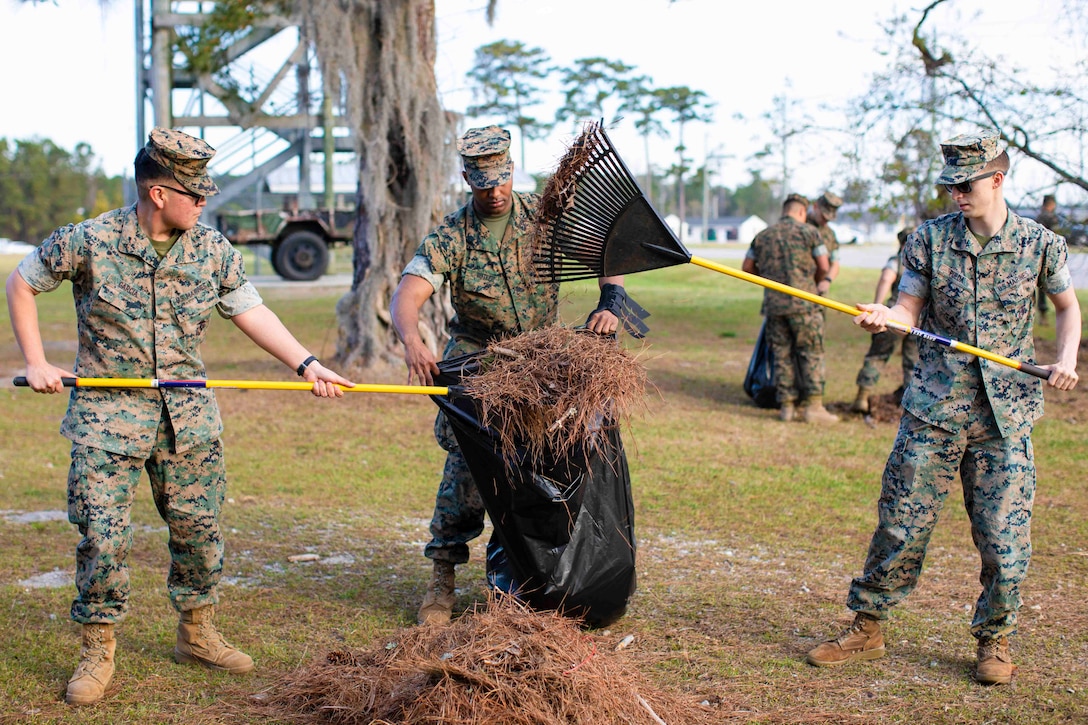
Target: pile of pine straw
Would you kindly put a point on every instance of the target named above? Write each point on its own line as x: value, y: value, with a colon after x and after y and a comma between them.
x: 503, y: 663
x: 552, y: 389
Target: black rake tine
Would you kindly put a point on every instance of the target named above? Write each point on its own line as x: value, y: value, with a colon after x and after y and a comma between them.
x: 568, y: 240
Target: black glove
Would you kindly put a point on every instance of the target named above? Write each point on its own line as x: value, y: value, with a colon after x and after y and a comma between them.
x: 614, y: 299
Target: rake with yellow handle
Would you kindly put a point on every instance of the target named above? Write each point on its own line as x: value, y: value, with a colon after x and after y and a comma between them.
x: 245, y: 385
x: 594, y: 221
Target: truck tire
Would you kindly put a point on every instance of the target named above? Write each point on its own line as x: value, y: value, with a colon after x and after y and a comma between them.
x: 301, y: 256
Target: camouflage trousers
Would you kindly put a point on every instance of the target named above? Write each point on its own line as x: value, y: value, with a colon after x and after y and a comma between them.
x: 458, y: 509
x: 880, y: 351
x: 797, y: 342
x: 997, y: 476
x: 188, y: 490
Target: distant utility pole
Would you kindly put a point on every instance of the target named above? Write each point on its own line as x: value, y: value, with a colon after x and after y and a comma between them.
x: 716, y: 157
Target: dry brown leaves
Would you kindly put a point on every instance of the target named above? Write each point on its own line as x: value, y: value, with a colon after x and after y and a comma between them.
x: 551, y: 389
x: 502, y: 663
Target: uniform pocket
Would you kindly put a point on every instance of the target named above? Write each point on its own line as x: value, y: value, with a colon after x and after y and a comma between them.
x: 1017, y: 291
x: 482, y: 282
x: 194, y: 307
x: 951, y: 284
x: 116, y: 302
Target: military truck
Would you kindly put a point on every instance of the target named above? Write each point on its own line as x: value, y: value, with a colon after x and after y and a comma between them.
x: 300, y: 240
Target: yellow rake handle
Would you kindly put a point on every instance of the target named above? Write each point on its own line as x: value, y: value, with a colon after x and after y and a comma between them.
x: 854, y: 312
x: 242, y: 385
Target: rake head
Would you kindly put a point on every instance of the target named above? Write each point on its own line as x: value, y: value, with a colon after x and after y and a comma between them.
x: 594, y: 220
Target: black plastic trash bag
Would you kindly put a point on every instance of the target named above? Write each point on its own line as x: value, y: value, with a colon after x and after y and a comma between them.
x: 759, y: 380
x: 564, y: 536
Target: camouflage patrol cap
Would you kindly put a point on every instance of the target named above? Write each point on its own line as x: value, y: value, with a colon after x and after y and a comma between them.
x: 485, y: 153
x: 799, y: 198
x: 966, y: 155
x: 829, y: 204
x: 185, y: 156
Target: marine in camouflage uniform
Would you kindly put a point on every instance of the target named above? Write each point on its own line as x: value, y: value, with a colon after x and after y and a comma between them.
x: 824, y: 210
x: 483, y: 251
x: 968, y: 276
x: 494, y: 295
x: 145, y: 281
x: 790, y: 252
x: 1048, y: 217
x: 883, y: 344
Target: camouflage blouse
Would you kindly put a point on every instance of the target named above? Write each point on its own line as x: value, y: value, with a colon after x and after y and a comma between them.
x: 982, y: 296
x: 140, y: 317
x: 786, y: 252
x: 491, y: 282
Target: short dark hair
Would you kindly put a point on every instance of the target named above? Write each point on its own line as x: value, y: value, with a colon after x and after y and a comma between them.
x: 1049, y: 199
x: 149, y: 170
x: 999, y: 163
x: 791, y: 202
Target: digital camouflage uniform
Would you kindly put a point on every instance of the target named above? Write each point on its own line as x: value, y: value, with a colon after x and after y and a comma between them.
x: 494, y: 295
x: 827, y: 238
x: 828, y: 204
x: 1051, y: 221
x: 142, y: 317
x: 786, y: 252
x: 883, y: 344
x: 966, y: 414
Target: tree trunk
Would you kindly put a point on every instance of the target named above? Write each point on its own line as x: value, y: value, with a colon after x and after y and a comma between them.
x: 379, y: 57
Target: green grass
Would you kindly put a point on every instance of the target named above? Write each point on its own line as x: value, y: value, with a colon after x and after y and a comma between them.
x: 749, y: 532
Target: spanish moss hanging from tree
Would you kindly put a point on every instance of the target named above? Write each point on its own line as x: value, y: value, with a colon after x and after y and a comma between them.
x: 377, y: 57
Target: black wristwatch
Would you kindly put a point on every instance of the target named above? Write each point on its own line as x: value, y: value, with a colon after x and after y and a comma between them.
x: 305, y: 364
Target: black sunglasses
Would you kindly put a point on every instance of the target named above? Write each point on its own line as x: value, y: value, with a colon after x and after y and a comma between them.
x: 195, y: 197
x: 964, y: 187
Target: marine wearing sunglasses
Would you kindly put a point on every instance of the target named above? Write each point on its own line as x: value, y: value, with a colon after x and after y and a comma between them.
x: 964, y: 187
x: 197, y: 198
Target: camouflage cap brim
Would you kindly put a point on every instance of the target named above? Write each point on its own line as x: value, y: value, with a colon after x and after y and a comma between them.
x: 966, y: 156
x: 202, y: 184
x: 487, y: 172
x: 486, y: 156
x: 185, y: 156
x: 952, y: 174
x: 192, y: 176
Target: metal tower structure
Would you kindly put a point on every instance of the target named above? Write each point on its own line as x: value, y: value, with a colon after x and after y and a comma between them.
x: 265, y: 107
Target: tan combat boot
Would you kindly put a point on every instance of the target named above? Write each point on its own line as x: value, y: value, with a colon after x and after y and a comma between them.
x: 95, y: 669
x: 786, y: 412
x: 200, y: 644
x: 437, y: 607
x: 861, y: 403
x: 815, y: 412
x: 862, y: 640
x: 995, y: 665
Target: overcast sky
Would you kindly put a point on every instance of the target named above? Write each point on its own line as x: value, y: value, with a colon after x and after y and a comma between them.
x: 71, y: 64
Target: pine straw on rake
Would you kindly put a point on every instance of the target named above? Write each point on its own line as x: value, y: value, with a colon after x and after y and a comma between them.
x: 558, y: 194
x: 588, y: 172
x: 502, y: 663
x: 551, y: 389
